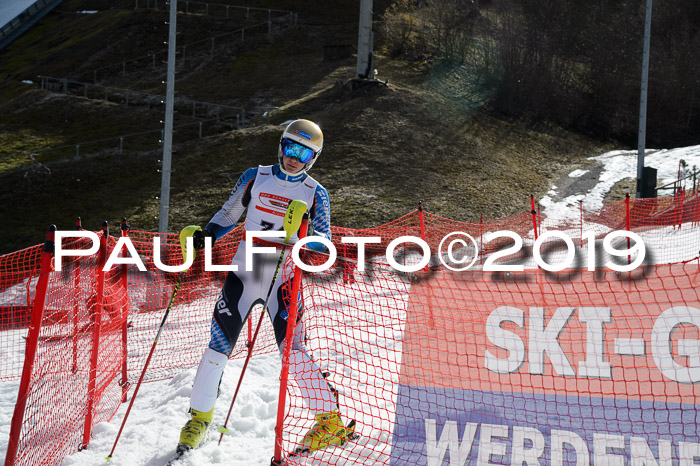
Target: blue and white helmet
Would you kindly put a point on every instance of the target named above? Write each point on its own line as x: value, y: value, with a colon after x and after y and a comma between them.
x: 306, y: 134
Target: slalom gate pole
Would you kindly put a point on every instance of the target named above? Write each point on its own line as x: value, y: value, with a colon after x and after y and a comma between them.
x: 31, y: 345
x: 292, y: 221
x: 148, y: 360
x: 534, y: 226
x: 534, y: 214
x: 421, y: 220
x: 124, y: 383
x: 291, y: 326
x: 96, y: 320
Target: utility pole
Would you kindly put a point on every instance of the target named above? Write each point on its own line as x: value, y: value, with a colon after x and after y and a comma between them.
x: 365, y: 41
x: 642, y: 135
x: 168, y: 131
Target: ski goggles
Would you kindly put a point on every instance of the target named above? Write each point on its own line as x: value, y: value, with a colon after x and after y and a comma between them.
x: 295, y: 150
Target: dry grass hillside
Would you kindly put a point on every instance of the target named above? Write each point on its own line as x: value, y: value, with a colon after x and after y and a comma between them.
x: 425, y: 136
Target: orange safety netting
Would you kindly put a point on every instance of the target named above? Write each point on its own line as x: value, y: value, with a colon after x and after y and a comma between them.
x: 435, y: 366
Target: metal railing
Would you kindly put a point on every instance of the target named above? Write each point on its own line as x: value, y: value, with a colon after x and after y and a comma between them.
x: 142, y: 141
x: 207, y: 8
x: 208, y: 46
x: 196, y: 109
x: 674, y: 186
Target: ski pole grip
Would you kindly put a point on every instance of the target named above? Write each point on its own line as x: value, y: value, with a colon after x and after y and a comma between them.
x: 293, y: 218
x: 304, y: 225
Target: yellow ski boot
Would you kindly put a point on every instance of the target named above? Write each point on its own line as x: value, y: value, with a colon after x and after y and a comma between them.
x: 195, y: 430
x: 329, y: 430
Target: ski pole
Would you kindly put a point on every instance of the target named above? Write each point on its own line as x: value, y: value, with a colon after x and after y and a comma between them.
x: 292, y: 221
x: 153, y: 346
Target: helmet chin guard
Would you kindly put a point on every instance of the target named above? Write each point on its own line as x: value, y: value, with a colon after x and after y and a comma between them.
x: 304, y: 132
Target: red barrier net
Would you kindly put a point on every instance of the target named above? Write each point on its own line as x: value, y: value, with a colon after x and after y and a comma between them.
x: 581, y: 363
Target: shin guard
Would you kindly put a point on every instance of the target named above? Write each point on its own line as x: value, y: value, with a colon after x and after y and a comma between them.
x: 206, y: 382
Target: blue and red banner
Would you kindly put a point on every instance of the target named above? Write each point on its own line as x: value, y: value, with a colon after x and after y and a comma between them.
x: 529, y: 368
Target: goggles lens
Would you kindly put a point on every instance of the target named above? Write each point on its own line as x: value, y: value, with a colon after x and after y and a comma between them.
x: 293, y: 150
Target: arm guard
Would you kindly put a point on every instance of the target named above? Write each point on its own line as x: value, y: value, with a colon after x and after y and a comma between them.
x: 225, y: 219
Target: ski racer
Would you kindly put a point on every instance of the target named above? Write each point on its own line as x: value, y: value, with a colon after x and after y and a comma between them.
x: 264, y: 193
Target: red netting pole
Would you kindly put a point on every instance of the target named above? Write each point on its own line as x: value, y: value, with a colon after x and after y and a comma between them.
x: 627, y: 210
x: 348, y: 266
x: 96, y: 320
x: 250, y: 335
x: 696, y: 214
x: 31, y: 346
x: 422, y: 225
x: 679, y: 195
x: 674, y: 204
x: 291, y: 318
x: 628, y: 221
x: 534, y: 214
x: 681, y: 207
x: 421, y: 219
x: 125, y: 316
x: 481, y: 238
x: 76, y: 306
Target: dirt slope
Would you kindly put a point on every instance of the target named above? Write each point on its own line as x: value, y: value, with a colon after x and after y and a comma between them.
x: 425, y: 136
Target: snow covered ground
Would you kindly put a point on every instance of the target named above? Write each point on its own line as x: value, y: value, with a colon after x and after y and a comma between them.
x: 367, y: 376
x: 617, y: 166
x: 153, y: 426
